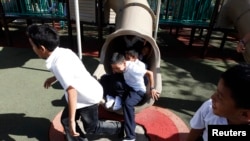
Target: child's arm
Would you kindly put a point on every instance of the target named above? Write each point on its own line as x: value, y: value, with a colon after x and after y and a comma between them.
x: 154, y: 94
x: 194, y: 134
x: 49, y: 81
x: 72, y: 100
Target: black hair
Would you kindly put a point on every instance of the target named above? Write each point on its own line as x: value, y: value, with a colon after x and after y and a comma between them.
x: 43, y: 35
x: 117, y: 58
x: 132, y: 52
x: 237, y: 79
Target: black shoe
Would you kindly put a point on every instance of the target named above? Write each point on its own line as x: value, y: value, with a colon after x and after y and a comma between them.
x: 121, y: 133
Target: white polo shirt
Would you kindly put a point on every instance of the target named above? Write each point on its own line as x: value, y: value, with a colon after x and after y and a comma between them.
x: 134, y: 76
x: 70, y: 71
x: 204, y: 116
x: 140, y: 63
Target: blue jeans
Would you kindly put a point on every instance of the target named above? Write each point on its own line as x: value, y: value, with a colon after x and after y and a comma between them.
x: 91, y: 123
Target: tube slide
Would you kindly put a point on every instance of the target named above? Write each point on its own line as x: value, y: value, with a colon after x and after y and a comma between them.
x: 134, y: 18
x: 236, y: 14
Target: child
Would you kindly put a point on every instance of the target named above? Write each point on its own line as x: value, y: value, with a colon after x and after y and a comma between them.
x: 115, y: 99
x: 113, y: 90
x: 112, y: 98
x: 131, y: 88
x: 133, y: 55
x: 229, y: 105
x: 82, y: 92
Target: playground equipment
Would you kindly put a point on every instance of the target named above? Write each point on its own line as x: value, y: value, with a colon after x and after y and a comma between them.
x: 134, y: 18
x: 236, y: 14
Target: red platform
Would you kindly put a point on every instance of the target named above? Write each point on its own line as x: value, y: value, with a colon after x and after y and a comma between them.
x: 160, y: 124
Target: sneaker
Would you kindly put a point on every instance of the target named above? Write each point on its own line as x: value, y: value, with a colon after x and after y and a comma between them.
x: 121, y: 134
x: 110, y: 101
x: 118, y: 103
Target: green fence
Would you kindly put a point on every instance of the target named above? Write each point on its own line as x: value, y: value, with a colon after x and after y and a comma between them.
x: 43, y: 8
x: 184, y: 11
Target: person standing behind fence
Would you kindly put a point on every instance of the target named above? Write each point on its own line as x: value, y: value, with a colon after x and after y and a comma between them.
x: 82, y: 91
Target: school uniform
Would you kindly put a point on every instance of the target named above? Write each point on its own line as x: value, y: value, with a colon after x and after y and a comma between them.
x: 204, y: 116
x: 134, y: 78
x: 70, y: 71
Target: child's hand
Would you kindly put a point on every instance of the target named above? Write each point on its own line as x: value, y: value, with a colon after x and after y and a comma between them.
x: 72, y: 128
x: 49, y: 81
x: 154, y: 94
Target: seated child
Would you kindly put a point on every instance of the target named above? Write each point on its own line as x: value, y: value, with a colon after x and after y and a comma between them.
x: 115, y: 101
x: 116, y: 90
x: 111, y: 89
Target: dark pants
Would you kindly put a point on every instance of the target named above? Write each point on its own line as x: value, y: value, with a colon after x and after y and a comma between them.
x: 91, y: 123
x: 114, y: 85
x: 131, y: 100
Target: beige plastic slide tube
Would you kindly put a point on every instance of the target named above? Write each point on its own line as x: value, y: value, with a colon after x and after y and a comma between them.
x: 133, y: 17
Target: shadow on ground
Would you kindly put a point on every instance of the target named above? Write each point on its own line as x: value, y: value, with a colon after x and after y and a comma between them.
x: 16, y: 57
x: 18, y: 124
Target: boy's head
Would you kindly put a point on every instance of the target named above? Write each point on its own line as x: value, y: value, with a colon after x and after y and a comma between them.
x: 131, y: 55
x: 233, y: 93
x: 237, y: 79
x: 43, y: 39
x: 118, y: 63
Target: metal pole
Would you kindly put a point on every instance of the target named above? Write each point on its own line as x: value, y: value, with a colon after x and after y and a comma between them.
x: 78, y: 34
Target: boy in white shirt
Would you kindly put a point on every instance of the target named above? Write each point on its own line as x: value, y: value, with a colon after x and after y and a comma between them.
x: 82, y: 91
x: 131, y: 88
x: 114, y: 100
x: 229, y: 105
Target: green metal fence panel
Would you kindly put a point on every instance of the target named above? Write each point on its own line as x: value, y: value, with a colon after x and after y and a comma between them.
x: 39, y: 8
x: 186, y: 11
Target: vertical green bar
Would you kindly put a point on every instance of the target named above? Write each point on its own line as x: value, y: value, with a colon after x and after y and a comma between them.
x: 185, y: 10
x: 60, y: 9
x: 28, y: 6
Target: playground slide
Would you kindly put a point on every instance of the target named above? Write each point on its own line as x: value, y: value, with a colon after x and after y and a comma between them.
x: 134, y: 18
x: 236, y: 14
